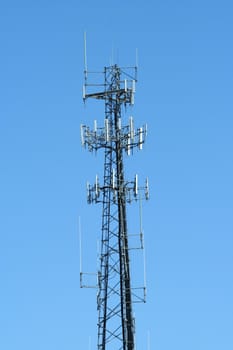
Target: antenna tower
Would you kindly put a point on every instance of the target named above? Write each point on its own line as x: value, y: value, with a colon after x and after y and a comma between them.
x: 115, y: 294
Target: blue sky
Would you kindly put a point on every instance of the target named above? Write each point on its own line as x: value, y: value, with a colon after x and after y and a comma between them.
x: 184, y: 93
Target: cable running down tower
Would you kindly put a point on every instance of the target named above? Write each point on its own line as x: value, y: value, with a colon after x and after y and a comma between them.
x: 115, y: 294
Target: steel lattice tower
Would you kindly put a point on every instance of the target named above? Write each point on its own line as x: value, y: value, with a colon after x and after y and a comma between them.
x: 115, y: 296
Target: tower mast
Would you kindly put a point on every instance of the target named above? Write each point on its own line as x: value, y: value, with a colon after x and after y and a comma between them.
x: 116, y: 325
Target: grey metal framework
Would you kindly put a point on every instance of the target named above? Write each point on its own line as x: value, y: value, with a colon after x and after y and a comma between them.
x: 115, y: 296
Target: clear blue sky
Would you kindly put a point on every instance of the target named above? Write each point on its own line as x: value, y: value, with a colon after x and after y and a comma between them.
x: 185, y: 94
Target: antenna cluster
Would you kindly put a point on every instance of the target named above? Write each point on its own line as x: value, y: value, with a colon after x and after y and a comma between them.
x: 132, y: 191
x: 107, y: 136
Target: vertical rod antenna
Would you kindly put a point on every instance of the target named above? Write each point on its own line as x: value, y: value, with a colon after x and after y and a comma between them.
x: 136, y: 58
x: 85, y: 56
x: 142, y: 244
x: 144, y: 272
x: 80, y: 245
x: 136, y: 68
x: 140, y: 216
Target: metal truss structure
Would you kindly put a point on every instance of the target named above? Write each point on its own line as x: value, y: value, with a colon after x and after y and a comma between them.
x: 115, y: 296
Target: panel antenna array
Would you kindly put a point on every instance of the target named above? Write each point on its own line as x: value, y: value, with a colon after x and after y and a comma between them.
x: 115, y: 294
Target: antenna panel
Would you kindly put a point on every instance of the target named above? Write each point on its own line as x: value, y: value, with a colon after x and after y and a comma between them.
x: 140, y: 138
x: 131, y: 128
x: 106, y: 130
